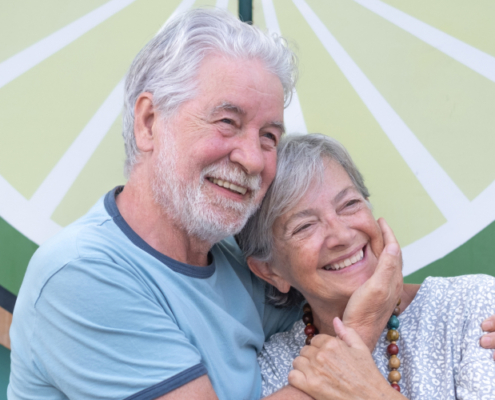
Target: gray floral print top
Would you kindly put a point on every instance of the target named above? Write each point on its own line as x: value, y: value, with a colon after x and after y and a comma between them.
x: 438, y: 346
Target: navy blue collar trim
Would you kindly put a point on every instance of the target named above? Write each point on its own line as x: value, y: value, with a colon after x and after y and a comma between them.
x: 181, y: 268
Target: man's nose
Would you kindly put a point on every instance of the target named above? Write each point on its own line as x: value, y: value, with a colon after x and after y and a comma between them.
x: 248, y: 153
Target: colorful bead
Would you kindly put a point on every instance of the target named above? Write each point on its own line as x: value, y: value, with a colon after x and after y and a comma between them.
x: 394, y: 376
x: 396, y: 311
x: 308, y: 340
x: 310, y: 330
x: 307, y: 318
x: 394, y: 362
x: 393, y: 322
x: 307, y: 308
x: 392, y: 335
x: 395, y: 386
x: 393, y: 349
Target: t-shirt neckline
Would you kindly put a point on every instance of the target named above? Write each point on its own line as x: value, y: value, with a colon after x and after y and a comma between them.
x: 177, y: 266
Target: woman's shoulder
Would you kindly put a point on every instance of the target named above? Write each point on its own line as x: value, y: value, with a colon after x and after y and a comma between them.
x: 466, y: 294
x: 276, y: 356
x: 463, y: 285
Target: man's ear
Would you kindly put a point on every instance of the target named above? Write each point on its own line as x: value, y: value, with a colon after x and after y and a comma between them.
x: 264, y: 271
x: 145, y: 117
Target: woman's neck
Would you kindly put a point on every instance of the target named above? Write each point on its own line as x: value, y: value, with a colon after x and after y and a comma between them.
x: 324, y: 313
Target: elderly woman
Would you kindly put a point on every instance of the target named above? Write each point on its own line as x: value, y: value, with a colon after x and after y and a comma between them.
x: 315, y: 238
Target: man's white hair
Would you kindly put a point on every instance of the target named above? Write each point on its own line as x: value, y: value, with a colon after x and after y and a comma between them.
x: 168, y: 65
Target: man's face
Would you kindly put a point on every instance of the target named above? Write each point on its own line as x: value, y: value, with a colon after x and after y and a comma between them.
x: 216, y: 157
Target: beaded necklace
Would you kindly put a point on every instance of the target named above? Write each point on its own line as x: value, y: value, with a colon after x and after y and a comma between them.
x: 392, y: 336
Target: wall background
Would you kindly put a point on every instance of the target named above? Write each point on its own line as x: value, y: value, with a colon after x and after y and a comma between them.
x: 407, y: 87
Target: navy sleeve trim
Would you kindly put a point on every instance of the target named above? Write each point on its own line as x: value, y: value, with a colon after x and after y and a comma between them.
x: 170, y: 384
x: 7, y: 299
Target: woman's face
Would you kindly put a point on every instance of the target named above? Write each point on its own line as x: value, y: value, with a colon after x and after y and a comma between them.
x: 328, y: 244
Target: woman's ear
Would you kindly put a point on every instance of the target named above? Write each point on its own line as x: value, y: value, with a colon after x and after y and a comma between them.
x: 144, y: 118
x: 264, y: 271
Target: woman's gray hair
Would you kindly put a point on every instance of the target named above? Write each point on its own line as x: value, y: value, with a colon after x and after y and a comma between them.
x: 168, y: 65
x: 301, y: 161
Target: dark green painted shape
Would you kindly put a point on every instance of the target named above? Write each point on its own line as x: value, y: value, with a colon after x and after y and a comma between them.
x: 473, y: 257
x: 4, y: 371
x: 246, y: 11
x: 15, y: 252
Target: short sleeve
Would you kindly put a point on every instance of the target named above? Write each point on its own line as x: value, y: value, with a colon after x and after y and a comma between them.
x: 101, y: 333
x: 476, y: 376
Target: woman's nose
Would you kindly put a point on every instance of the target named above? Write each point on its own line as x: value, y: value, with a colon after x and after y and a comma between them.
x: 338, y: 233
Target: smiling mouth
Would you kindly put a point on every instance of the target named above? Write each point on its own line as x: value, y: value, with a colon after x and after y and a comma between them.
x: 345, y: 263
x: 228, y: 185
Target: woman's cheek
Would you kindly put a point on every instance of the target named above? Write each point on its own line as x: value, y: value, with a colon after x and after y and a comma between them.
x: 377, y: 244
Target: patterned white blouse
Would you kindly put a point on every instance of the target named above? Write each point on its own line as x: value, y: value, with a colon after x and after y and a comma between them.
x: 438, y: 346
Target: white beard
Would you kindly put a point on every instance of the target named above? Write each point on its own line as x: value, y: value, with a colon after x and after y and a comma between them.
x: 207, y: 216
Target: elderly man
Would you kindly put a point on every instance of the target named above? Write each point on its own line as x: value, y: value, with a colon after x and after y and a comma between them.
x: 142, y: 298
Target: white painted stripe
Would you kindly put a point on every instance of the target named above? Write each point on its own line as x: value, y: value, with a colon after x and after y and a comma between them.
x: 471, y: 57
x: 20, y: 214
x: 223, y: 4
x: 36, y: 53
x: 439, y: 186
x: 451, y: 235
x: 182, y: 7
x: 293, y: 115
x: 56, y: 185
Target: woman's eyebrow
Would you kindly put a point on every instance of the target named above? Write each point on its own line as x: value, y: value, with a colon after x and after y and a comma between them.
x: 343, y: 193
x: 301, y: 214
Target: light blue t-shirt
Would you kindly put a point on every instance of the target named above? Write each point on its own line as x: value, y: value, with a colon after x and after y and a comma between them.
x: 101, y: 314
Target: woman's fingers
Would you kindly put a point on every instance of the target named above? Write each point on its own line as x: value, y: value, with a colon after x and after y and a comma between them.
x: 348, y: 335
x: 488, y: 341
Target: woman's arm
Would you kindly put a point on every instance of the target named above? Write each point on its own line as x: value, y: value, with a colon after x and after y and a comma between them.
x: 340, y: 369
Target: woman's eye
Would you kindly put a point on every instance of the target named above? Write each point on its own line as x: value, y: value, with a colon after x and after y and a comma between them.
x: 301, y: 228
x: 352, y: 202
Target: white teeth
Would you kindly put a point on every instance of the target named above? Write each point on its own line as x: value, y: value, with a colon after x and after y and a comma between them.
x: 228, y: 185
x: 347, y: 262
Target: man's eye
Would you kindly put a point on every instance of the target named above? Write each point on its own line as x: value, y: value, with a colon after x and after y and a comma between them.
x: 227, y: 121
x: 270, y: 136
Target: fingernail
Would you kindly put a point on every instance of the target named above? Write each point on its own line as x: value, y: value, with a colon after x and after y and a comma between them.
x: 488, y: 326
x: 486, y: 342
x: 393, y: 249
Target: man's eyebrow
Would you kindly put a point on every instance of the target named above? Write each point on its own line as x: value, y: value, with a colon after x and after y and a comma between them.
x: 301, y: 214
x: 227, y: 106
x: 276, y: 124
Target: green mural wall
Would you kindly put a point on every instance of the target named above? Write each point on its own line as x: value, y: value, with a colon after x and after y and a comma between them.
x: 407, y: 87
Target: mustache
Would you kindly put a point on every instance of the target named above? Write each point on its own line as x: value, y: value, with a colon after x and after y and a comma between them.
x: 234, y: 174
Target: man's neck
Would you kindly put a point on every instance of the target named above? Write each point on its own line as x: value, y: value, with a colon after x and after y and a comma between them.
x: 148, y: 219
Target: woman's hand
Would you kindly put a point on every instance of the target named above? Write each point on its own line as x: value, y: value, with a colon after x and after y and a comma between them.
x: 339, y: 369
x: 488, y: 341
x: 370, y: 306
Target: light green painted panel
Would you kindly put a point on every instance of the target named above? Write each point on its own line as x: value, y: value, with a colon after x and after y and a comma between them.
x: 473, y: 257
x: 204, y: 3
x: 234, y: 7
x: 258, y: 15
x: 472, y: 22
x: 448, y: 106
x: 103, y: 171
x: 44, y: 110
x: 331, y: 106
x: 25, y: 22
